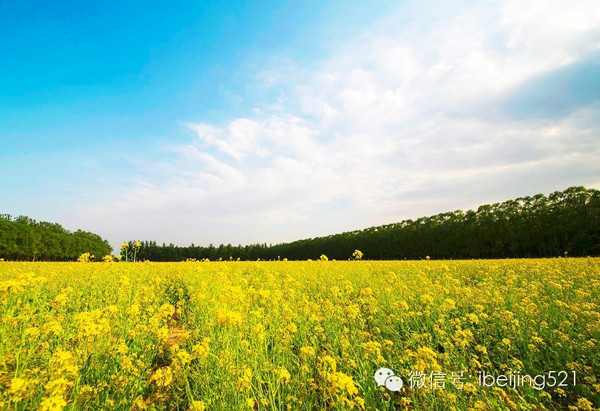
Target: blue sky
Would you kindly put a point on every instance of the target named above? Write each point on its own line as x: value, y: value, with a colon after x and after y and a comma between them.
x: 270, y: 121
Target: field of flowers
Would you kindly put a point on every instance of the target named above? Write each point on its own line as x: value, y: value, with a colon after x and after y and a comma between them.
x: 298, y: 335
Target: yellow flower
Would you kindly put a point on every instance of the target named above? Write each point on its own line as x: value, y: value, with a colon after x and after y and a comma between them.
x: 245, y: 379
x: 197, y: 406
x: 250, y: 402
x: 140, y: 403
x: 53, y: 403
x: 229, y: 318
x: 473, y: 319
x: 449, y: 304
x: 201, y: 350
x: 371, y: 347
x: 480, y: 405
x: 162, y: 377
x: 18, y: 388
x: 329, y: 363
x: 86, y: 393
x: 481, y: 349
x: 341, y: 383
x: 307, y: 351
x: 183, y: 357
x: 283, y: 375
x: 584, y: 404
x: 58, y: 386
x: 85, y: 258
x: 366, y: 292
x: 166, y: 310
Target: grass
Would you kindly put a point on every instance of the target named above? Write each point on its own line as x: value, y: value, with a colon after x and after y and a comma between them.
x: 297, y: 335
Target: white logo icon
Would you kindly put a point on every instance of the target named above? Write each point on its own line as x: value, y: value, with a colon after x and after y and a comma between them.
x: 394, y: 383
x: 385, y: 376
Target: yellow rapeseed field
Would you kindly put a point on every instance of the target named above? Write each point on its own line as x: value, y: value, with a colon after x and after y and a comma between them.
x: 299, y: 335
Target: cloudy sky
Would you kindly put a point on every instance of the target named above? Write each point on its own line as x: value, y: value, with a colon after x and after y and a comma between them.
x: 196, y: 122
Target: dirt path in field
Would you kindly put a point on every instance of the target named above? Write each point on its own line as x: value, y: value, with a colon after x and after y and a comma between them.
x: 177, y: 335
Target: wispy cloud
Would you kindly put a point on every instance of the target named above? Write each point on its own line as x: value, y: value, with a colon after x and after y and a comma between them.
x: 407, y: 120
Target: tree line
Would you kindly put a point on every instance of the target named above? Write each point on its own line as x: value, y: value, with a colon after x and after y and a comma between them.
x: 564, y: 222
x: 23, y: 238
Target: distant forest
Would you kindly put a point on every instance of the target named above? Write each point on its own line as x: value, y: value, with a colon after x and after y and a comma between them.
x: 23, y: 238
x: 539, y: 226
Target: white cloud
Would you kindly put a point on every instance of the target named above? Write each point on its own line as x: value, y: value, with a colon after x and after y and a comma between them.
x: 394, y: 125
